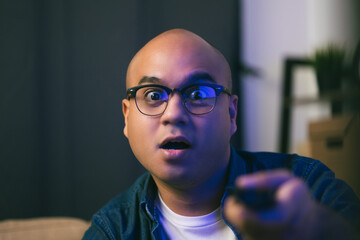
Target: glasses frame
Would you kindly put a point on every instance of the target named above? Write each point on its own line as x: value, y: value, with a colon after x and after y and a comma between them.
x: 131, y: 93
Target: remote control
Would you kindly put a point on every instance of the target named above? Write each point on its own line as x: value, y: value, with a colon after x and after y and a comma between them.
x: 257, y: 199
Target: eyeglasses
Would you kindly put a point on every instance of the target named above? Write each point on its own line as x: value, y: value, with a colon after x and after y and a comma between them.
x: 198, y: 99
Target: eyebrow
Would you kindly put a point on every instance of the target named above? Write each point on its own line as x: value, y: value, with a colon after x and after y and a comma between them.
x: 147, y: 79
x: 193, y: 77
x: 199, y: 76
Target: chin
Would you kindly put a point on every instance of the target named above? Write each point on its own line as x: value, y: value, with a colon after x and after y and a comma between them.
x: 181, y: 178
x: 175, y: 177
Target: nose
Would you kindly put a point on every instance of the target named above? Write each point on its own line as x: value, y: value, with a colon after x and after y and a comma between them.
x: 175, y: 112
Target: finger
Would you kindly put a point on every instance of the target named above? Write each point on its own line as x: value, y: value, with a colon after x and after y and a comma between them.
x: 249, y: 223
x: 291, y: 195
x: 292, y: 191
x: 236, y: 213
x: 243, y: 217
x: 288, y: 197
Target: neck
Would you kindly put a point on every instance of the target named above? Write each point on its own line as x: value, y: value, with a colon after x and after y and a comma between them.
x: 194, y: 201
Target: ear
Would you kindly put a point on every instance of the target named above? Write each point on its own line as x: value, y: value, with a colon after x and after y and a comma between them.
x: 125, y: 109
x: 233, y: 102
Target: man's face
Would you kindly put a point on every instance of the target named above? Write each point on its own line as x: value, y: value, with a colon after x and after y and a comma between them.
x: 174, y: 62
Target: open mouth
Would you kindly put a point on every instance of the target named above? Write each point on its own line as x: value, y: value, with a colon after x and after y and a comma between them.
x: 175, y: 145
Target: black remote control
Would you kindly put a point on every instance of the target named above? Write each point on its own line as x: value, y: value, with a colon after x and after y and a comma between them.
x: 257, y: 199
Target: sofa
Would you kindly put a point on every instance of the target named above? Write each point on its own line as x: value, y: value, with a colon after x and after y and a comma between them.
x: 49, y: 228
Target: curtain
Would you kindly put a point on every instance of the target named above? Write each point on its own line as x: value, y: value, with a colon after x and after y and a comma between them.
x: 62, y: 79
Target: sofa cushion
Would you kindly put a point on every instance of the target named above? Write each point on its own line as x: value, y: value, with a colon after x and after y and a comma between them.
x: 52, y: 228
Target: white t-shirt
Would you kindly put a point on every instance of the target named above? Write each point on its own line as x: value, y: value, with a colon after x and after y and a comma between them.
x: 210, y: 226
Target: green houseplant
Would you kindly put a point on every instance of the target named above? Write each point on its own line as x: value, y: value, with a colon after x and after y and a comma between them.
x: 329, y: 65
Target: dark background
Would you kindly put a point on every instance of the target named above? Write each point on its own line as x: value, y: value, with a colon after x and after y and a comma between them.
x: 62, y: 79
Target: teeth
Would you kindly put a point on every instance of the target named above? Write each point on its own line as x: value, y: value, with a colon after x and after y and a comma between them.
x: 175, y: 145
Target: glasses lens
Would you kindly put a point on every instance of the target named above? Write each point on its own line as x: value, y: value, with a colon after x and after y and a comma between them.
x: 200, y: 99
x: 151, y: 100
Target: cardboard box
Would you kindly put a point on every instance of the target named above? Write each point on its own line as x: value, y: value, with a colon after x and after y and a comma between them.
x: 336, y: 143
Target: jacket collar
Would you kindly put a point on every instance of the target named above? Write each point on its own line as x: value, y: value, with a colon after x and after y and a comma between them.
x: 237, y: 167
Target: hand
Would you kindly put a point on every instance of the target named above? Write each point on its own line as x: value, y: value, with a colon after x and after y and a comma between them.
x: 295, y: 215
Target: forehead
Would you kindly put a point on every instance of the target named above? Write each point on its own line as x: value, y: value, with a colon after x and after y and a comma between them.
x: 193, y: 77
x: 175, y: 62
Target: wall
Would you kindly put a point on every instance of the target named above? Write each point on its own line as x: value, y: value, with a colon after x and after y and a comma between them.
x: 276, y: 29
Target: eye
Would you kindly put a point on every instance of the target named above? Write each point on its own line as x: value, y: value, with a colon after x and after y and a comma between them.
x: 201, y: 93
x: 154, y: 95
x: 197, y: 95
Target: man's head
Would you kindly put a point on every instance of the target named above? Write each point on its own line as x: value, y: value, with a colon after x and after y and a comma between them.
x: 178, y: 147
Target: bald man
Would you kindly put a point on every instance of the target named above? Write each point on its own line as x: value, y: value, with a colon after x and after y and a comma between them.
x: 179, y: 117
